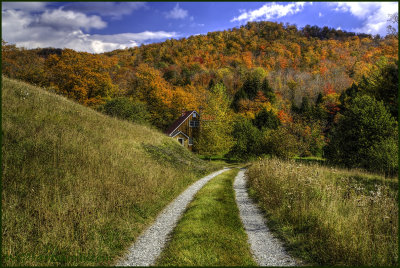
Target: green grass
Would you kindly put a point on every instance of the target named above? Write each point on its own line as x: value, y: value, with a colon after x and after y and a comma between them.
x: 329, y: 216
x: 310, y: 159
x: 78, y: 186
x: 210, y: 232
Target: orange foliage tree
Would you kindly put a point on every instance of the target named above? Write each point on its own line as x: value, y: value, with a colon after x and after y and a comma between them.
x: 81, y: 76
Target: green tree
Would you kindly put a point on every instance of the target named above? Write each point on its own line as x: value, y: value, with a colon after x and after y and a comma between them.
x: 386, y: 156
x: 251, y: 86
x: 247, y: 140
x: 347, y: 95
x: 268, y: 91
x: 383, y: 84
x: 365, y: 124
x: 318, y: 112
x: 266, y: 119
x: 305, y: 108
x: 216, y: 124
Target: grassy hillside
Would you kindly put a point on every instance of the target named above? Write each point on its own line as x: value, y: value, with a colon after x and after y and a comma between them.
x: 329, y: 216
x: 78, y: 186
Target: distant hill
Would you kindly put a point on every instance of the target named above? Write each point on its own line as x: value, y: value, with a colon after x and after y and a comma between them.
x: 79, y: 186
x: 312, y: 56
x: 301, y: 79
x: 297, y: 62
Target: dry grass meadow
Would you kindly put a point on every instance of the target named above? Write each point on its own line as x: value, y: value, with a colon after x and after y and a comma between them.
x: 329, y: 216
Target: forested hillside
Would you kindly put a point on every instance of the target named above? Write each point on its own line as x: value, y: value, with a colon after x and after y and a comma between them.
x: 280, y: 83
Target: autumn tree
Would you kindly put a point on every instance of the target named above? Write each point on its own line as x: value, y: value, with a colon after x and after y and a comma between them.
x: 81, y: 76
x: 216, y: 124
x: 150, y: 87
x: 23, y: 64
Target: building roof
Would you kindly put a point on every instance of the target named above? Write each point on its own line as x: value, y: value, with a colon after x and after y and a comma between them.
x: 177, y: 132
x: 178, y: 122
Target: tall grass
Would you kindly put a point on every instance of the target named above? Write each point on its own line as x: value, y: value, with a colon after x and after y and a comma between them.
x: 79, y: 186
x: 328, y: 216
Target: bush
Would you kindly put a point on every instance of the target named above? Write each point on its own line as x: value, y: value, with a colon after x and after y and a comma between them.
x: 247, y: 140
x: 385, y: 155
x: 126, y: 109
x: 281, y: 143
x: 362, y: 134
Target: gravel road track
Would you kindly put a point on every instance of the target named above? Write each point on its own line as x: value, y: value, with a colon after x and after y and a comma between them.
x: 266, y: 249
x: 149, y: 244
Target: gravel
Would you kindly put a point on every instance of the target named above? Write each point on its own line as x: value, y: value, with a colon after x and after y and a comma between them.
x: 266, y: 249
x: 149, y: 245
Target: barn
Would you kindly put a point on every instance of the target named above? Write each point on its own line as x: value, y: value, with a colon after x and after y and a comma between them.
x: 185, y: 129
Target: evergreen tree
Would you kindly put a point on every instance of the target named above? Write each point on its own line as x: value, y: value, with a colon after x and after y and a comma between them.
x: 365, y: 124
x: 240, y: 94
x: 268, y: 91
x: 211, y: 84
x: 305, y: 107
x: 251, y: 86
x: 266, y: 119
x: 347, y: 95
x: 319, y: 99
x: 317, y: 110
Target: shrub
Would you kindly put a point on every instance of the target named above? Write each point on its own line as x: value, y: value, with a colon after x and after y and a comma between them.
x: 281, y: 143
x: 385, y: 155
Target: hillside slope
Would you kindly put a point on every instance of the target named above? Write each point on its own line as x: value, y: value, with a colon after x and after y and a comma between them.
x: 78, y: 186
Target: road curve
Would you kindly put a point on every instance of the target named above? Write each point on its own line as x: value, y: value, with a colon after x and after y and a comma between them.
x: 149, y: 244
x: 266, y: 249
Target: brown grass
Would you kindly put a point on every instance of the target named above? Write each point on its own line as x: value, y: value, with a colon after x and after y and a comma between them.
x: 79, y: 186
x: 329, y: 216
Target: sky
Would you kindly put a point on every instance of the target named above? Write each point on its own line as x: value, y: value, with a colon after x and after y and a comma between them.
x: 98, y: 27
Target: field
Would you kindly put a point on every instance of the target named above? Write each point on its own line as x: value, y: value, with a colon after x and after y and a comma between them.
x: 328, y: 216
x: 79, y: 186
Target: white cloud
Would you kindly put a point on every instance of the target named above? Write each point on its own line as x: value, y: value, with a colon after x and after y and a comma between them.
x: 176, y: 13
x: 373, y: 15
x: 270, y: 11
x: 64, y: 29
x: 320, y: 14
x: 24, y: 6
x: 114, y: 10
x: 59, y: 18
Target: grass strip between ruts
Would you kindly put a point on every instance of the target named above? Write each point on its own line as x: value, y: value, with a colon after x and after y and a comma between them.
x: 210, y: 232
